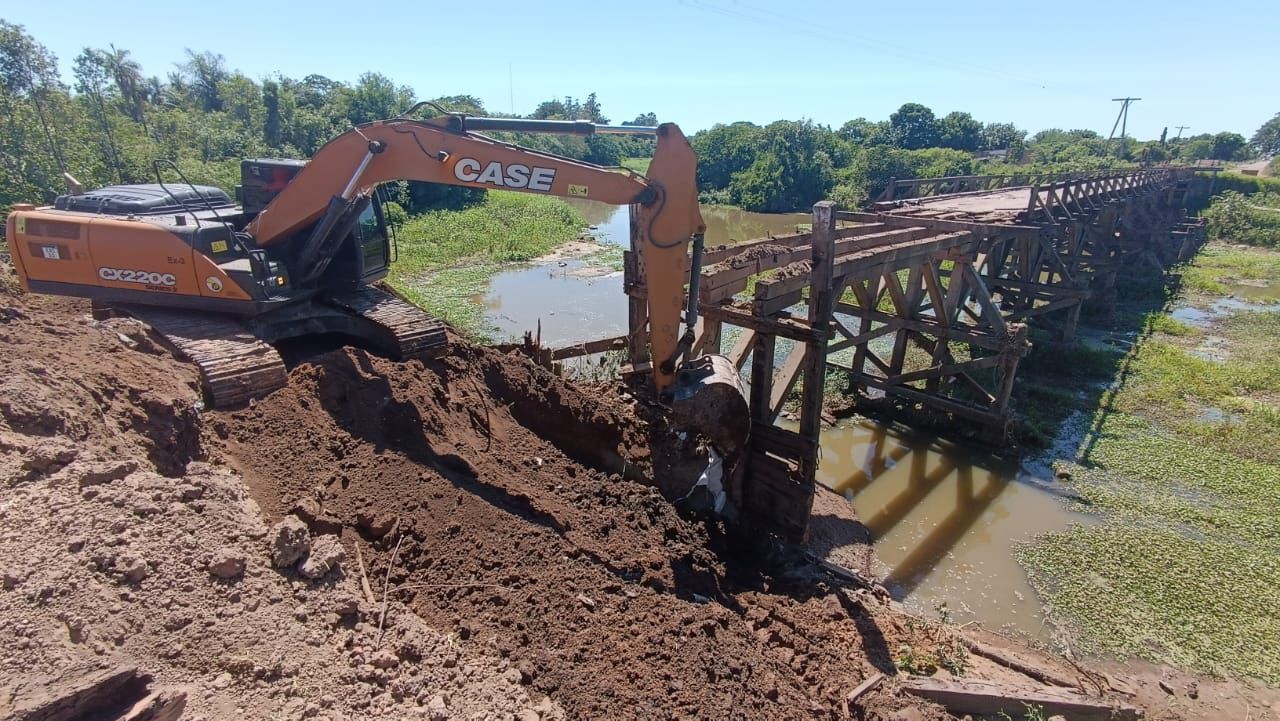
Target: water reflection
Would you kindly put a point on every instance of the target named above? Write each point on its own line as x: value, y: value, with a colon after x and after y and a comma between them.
x: 944, y: 520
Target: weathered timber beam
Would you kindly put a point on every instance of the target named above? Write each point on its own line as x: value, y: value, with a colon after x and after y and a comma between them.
x: 863, y: 338
x: 906, y: 220
x: 990, y: 311
x: 949, y: 369
x: 595, y: 346
x: 732, y: 271
x: 784, y: 327
x: 781, y: 442
x: 1041, y: 310
x: 742, y: 348
x: 1026, y: 286
x: 946, y: 404
x: 869, y: 262
x: 785, y: 379
x: 964, y: 334
x: 990, y: 698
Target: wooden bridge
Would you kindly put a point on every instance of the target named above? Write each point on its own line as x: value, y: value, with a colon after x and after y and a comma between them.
x: 921, y: 306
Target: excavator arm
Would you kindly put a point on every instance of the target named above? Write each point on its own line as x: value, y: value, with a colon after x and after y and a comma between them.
x: 447, y: 150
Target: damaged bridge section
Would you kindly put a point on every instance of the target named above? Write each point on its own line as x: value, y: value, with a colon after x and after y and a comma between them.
x: 920, y: 307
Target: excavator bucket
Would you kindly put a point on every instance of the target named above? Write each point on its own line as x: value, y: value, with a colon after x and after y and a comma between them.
x: 710, y: 398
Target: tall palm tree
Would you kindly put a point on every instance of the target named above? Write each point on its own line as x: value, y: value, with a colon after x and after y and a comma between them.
x: 133, y: 89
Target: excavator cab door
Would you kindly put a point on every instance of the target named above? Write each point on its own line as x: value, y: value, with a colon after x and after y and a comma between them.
x: 373, y: 242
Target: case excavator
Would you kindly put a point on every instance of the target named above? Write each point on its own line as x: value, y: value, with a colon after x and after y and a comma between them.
x: 299, y: 255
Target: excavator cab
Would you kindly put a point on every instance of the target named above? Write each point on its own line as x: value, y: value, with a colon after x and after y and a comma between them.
x: 364, y: 243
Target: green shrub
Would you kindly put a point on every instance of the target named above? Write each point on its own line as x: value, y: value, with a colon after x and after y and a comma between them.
x: 1253, y: 220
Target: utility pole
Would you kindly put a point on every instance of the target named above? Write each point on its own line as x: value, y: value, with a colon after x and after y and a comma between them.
x: 1122, y: 120
x: 1180, y: 129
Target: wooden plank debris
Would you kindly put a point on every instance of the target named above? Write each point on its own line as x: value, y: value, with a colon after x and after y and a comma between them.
x: 990, y: 698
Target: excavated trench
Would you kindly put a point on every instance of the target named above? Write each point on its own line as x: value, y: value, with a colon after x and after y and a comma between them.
x: 503, y: 488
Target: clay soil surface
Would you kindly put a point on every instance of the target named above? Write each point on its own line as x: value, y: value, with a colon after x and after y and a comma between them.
x: 469, y: 537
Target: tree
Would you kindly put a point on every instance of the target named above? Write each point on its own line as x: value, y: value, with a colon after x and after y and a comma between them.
x: 914, y: 126
x: 272, y: 126
x: 792, y: 171
x: 375, y: 97
x: 960, y: 131
x: 861, y: 131
x: 29, y: 73
x: 134, y: 91
x: 999, y: 136
x: 1228, y: 146
x: 724, y: 150
x: 1267, y: 140
x: 645, y: 119
x: 201, y: 74
x: 591, y: 111
x: 550, y: 110
x: 92, y: 74
x: 242, y: 101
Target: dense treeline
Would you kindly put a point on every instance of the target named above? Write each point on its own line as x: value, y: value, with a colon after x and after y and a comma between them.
x: 788, y: 165
x: 112, y: 121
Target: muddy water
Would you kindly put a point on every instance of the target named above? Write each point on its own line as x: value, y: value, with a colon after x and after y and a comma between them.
x: 946, y: 520
x: 573, y: 306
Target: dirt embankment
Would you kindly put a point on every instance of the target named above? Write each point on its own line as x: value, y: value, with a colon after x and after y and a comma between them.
x: 527, y: 580
x: 483, y: 470
x: 483, y: 498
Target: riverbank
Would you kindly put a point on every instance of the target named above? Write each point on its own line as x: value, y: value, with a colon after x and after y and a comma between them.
x: 1178, y: 456
x: 446, y: 257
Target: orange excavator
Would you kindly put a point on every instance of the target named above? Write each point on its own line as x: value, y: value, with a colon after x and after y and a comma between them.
x: 224, y: 282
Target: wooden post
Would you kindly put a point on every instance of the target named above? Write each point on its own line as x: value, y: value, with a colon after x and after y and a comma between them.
x: 821, y: 303
x: 637, y: 308
x: 762, y: 378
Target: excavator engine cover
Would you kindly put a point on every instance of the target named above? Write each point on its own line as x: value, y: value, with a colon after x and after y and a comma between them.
x: 710, y: 398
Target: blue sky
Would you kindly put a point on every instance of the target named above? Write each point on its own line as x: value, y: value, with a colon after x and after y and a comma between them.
x: 697, y: 62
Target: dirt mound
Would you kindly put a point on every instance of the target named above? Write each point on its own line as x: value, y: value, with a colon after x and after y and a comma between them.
x: 527, y: 578
x: 120, y: 548
x: 492, y: 476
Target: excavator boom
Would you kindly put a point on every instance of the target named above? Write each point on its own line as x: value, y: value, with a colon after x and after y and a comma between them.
x: 446, y: 150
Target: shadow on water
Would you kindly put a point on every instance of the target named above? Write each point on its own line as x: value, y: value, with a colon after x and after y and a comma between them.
x: 944, y: 519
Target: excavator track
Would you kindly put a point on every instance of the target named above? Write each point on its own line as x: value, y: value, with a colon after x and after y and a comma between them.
x: 236, y: 366
x: 417, y: 334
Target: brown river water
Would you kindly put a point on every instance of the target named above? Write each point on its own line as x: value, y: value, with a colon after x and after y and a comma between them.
x: 946, y: 519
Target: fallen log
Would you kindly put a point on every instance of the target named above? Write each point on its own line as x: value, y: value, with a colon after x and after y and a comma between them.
x: 988, y: 698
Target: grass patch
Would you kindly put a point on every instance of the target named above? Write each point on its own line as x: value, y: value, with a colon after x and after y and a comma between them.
x: 1166, y: 324
x: 637, y: 165
x: 447, y: 256
x: 1187, y: 561
x: 450, y: 294
x: 1183, y: 464
x: 1163, y: 595
x: 1218, y: 266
